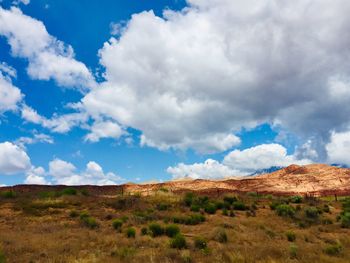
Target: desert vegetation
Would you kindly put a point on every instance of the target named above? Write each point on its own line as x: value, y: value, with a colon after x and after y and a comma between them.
x: 72, y: 225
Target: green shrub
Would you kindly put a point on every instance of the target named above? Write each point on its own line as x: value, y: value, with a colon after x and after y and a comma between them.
x: 156, y: 229
x: 290, y: 236
x: 172, y: 230
x: 210, y: 208
x: 73, y: 214
x: 312, y: 212
x: 346, y: 204
x: 84, y: 215
x: 188, y: 199
x: 293, y: 250
x: 69, y: 191
x: 220, y: 235
x: 219, y: 204
x: 200, y: 243
x: 49, y: 194
x: 90, y: 222
x: 162, y: 206
x: 285, y: 210
x: 239, y: 205
x: 334, y: 249
x: 178, y: 241
x: 131, y: 232
x: 2, y: 257
x: 195, y: 208
x: 8, y: 194
x: 296, y: 199
x: 193, y: 219
x: 230, y: 199
x: 345, y: 220
x: 84, y: 192
x: 224, y: 212
x: 117, y: 224
x: 144, y: 231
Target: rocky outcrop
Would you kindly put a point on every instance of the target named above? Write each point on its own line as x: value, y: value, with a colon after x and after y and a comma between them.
x: 314, y: 179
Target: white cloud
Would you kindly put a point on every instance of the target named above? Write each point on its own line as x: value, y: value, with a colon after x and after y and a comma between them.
x: 238, y: 163
x: 37, y: 138
x: 261, y: 157
x: 36, y: 175
x: 210, y: 169
x: 104, y: 129
x: 13, y: 159
x: 218, y: 66
x: 58, y: 123
x: 48, y: 57
x: 66, y: 173
x: 10, y: 95
x: 338, y: 148
x: 17, y: 2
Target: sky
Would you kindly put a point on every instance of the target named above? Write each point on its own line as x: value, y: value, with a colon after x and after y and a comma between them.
x: 109, y: 92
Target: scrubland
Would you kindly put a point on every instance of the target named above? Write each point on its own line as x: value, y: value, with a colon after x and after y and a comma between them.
x: 72, y: 225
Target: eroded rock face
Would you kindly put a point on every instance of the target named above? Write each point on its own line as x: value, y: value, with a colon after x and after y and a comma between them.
x: 313, y: 179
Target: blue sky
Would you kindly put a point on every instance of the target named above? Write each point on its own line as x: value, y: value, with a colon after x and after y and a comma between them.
x: 113, y: 91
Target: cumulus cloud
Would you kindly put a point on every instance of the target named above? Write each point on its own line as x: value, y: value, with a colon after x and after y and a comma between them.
x: 13, y: 159
x: 217, y: 66
x: 261, y: 157
x: 66, y: 173
x: 36, y: 138
x: 58, y: 123
x: 48, y: 57
x: 36, y: 175
x: 104, y: 129
x: 10, y: 95
x: 339, y: 147
x: 238, y: 163
x: 210, y: 169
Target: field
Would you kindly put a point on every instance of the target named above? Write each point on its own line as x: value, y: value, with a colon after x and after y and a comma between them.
x: 73, y: 225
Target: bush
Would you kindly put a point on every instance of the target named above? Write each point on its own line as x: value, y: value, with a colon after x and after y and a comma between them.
x: 84, y: 215
x: 9, y: 194
x: 345, y: 220
x: 162, y: 206
x: 84, y: 192
x: 285, y: 210
x: 73, y: 214
x: 2, y: 257
x: 172, y: 230
x: 210, y: 208
x: 117, y: 224
x: 195, y: 208
x: 144, y: 231
x: 90, y: 222
x: 296, y: 199
x: 200, y: 243
x: 326, y: 208
x: 131, y: 232
x: 156, y: 229
x: 193, y: 219
x: 293, y: 250
x: 239, y: 205
x: 188, y: 199
x: 220, y: 235
x: 290, y: 236
x: 333, y: 250
x: 224, y: 212
x: 230, y: 199
x: 312, y: 212
x: 69, y: 191
x: 178, y: 242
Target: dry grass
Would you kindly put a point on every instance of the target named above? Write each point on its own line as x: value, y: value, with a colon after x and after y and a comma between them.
x: 34, y: 229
